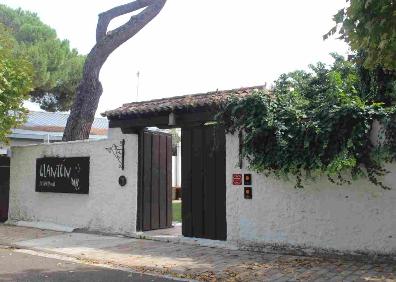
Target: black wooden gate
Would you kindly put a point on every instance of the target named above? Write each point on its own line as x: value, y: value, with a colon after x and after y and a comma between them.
x: 4, y: 187
x: 204, y: 182
x: 155, y: 181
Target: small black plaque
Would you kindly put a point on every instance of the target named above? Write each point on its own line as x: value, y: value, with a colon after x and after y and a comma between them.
x: 63, y: 175
x: 247, y: 179
x: 248, y: 193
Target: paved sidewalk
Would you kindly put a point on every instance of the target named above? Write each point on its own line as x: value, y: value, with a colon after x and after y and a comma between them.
x: 12, y: 234
x: 196, y: 262
x: 19, y: 265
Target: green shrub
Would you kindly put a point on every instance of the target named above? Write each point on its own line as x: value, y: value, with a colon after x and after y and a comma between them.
x: 312, y: 124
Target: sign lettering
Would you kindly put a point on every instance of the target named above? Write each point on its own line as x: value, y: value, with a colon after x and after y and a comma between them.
x: 63, y: 175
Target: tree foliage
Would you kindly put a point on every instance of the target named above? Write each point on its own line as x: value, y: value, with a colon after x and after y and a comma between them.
x: 315, y: 123
x: 376, y: 84
x: 15, y: 84
x: 369, y: 26
x: 57, y: 67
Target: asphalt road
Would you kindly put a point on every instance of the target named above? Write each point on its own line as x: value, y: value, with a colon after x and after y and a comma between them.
x: 17, y: 266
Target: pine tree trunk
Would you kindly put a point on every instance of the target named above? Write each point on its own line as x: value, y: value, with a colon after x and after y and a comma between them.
x: 88, y: 93
x: 83, y: 111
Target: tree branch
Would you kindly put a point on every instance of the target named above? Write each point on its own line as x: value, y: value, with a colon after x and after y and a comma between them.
x: 106, y: 17
x: 112, y: 40
x: 90, y: 89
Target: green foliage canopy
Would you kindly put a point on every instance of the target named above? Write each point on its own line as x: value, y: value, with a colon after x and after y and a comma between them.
x: 369, y: 26
x: 57, y: 67
x: 15, y: 83
x: 314, y: 123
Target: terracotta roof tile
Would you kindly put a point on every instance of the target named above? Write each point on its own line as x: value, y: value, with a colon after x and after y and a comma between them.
x: 179, y: 103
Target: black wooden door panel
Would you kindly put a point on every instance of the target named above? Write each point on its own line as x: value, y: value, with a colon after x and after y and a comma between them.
x: 203, y: 182
x: 209, y: 188
x: 197, y: 182
x: 155, y: 181
x: 221, y: 223
x: 4, y: 187
x: 186, y: 183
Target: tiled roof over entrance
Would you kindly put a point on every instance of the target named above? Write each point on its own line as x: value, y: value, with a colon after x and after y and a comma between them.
x: 180, y: 103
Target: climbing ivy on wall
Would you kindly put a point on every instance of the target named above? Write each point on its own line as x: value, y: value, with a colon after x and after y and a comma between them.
x: 315, y: 123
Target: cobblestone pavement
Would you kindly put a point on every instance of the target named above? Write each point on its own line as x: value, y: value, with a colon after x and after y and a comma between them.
x: 212, y: 264
x: 206, y: 263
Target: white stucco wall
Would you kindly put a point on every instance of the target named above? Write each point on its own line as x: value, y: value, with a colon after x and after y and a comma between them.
x: 107, y: 208
x: 350, y: 218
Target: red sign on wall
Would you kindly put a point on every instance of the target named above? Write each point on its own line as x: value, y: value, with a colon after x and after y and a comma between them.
x: 237, y: 179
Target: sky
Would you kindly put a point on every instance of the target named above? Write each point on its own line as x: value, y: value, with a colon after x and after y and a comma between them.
x: 196, y: 46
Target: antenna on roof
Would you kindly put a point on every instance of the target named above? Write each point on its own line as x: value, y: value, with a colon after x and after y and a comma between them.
x: 137, y: 85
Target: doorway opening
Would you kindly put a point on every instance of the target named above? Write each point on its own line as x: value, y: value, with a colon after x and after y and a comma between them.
x: 176, y: 179
x: 155, y: 180
x: 187, y: 167
x: 159, y: 193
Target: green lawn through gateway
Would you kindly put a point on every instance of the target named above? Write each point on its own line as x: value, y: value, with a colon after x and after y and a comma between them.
x: 176, y: 211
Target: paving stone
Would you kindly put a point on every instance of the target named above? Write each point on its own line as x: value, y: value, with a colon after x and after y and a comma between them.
x: 320, y: 279
x: 215, y: 264
x: 284, y: 278
x: 351, y: 278
x: 276, y: 276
